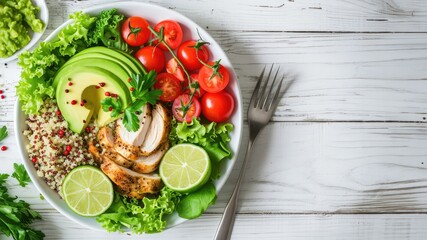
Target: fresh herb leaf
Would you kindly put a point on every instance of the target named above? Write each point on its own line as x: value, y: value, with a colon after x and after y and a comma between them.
x: 3, y: 133
x: 21, y: 174
x: 142, y: 84
x: 142, y: 94
x: 3, y: 178
x: 16, y: 216
x: 113, y: 105
x: 136, y: 106
x: 142, y: 87
x: 130, y: 120
x: 195, y: 203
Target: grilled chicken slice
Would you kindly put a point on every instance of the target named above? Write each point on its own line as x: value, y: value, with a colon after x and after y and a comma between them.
x: 130, y: 183
x: 151, y: 163
x: 117, y: 158
x: 127, y: 143
x: 106, y: 138
x: 158, y: 132
x: 95, y: 152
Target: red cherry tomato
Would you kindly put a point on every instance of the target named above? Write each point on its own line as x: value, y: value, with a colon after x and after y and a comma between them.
x: 135, y: 31
x: 189, y: 89
x: 181, y: 103
x: 170, y: 86
x: 172, y: 33
x: 217, y: 107
x: 187, y: 54
x: 213, y: 82
x: 152, y: 58
x: 175, y: 69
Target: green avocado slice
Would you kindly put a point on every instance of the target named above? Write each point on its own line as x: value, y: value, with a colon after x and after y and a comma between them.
x: 107, y: 64
x: 117, y: 54
x: 79, y: 98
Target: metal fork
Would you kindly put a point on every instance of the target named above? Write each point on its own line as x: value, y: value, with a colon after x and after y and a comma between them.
x: 261, y: 109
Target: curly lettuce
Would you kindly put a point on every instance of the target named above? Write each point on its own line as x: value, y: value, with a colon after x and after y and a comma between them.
x: 39, y: 67
x: 106, y: 30
x: 140, y: 216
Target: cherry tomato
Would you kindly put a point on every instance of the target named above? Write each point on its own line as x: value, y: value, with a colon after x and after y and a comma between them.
x: 135, y: 31
x: 189, y: 89
x: 182, y: 102
x: 217, y: 107
x: 170, y: 86
x: 213, y: 82
x: 175, y: 69
x: 172, y: 33
x: 188, y: 54
x: 152, y: 58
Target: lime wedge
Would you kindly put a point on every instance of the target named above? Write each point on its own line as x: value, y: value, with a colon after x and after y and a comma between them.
x: 87, y: 191
x: 185, y: 167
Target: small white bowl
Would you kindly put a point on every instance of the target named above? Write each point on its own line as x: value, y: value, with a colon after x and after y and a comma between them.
x: 153, y: 14
x: 43, y: 14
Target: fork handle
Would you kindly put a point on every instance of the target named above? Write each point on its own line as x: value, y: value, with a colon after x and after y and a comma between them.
x: 227, y: 221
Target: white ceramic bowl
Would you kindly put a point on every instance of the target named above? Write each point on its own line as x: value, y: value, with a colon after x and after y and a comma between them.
x: 43, y: 14
x: 153, y: 14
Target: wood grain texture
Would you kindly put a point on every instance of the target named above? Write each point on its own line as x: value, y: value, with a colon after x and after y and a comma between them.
x: 271, y: 227
x: 287, y: 15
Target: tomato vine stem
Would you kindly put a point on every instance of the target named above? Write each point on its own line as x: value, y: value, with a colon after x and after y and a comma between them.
x: 160, y: 36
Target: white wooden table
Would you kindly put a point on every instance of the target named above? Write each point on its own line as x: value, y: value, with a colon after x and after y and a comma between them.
x: 345, y: 156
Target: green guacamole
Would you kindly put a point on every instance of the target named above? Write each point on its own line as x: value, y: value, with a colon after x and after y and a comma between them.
x: 16, y: 16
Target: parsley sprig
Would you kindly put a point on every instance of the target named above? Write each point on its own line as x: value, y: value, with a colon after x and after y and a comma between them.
x: 21, y: 175
x: 16, y: 216
x: 3, y: 133
x: 142, y: 93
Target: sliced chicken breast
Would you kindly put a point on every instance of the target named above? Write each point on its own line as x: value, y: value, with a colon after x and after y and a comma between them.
x: 150, y: 163
x: 95, y: 152
x: 106, y: 138
x: 127, y: 143
x: 130, y: 183
x: 117, y: 158
x: 158, y: 132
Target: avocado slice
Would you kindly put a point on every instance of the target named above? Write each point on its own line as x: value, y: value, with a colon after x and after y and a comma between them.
x: 117, y: 54
x: 120, y: 59
x: 107, y: 64
x: 78, y: 83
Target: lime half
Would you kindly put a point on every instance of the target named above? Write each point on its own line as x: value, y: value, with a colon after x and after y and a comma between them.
x: 87, y: 191
x: 185, y: 167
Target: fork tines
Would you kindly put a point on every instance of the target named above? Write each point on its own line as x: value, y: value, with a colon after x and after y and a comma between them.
x: 262, y: 100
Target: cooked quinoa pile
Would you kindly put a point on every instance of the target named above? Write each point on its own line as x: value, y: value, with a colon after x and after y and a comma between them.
x: 53, y: 148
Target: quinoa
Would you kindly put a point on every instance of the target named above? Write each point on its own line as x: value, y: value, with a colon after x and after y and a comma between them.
x: 53, y: 148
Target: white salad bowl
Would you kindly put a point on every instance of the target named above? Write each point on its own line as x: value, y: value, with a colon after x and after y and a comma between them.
x: 153, y: 14
x: 43, y: 14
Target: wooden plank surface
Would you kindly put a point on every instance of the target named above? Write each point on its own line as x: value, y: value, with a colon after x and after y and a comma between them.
x: 286, y: 15
x: 271, y: 227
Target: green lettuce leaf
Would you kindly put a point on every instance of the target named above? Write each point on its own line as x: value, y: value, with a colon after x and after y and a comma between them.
x: 146, y: 216
x: 39, y: 67
x: 195, y: 203
x: 106, y: 30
